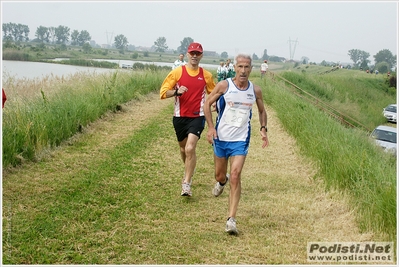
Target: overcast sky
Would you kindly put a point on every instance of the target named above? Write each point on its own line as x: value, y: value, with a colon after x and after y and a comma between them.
x: 318, y: 30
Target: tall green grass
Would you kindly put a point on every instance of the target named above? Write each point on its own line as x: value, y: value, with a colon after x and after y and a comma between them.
x: 32, y: 125
x: 18, y: 55
x: 346, y: 158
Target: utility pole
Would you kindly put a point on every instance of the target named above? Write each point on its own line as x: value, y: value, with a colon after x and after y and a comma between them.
x: 109, y: 40
x: 292, y: 52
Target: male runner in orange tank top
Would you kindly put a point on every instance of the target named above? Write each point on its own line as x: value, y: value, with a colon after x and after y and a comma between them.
x: 189, y: 85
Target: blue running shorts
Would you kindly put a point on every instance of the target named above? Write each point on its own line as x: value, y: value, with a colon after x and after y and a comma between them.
x: 225, y: 149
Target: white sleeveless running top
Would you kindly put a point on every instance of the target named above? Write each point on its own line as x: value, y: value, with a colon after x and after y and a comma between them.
x: 234, y: 108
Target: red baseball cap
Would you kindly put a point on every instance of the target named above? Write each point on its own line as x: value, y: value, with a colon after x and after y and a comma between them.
x: 195, y: 47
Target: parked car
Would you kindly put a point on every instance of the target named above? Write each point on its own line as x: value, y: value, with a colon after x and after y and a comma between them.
x: 385, y: 137
x: 389, y: 113
x: 127, y: 66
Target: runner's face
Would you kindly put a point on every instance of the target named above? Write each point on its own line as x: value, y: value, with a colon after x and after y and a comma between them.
x: 194, y: 57
x: 243, y: 68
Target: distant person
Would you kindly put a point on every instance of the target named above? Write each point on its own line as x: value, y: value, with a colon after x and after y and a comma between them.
x: 221, y: 72
x: 230, y: 69
x: 263, y: 69
x: 179, y: 62
x: 4, y: 97
x: 230, y: 135
x: 189, y: 85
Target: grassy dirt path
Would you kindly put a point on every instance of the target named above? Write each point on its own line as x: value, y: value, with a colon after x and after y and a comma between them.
x: 146, y: 221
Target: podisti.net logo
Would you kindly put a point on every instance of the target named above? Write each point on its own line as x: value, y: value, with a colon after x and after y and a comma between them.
x: 350, y: 252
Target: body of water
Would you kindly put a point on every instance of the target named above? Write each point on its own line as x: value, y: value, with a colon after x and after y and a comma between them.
x: 34, y: 70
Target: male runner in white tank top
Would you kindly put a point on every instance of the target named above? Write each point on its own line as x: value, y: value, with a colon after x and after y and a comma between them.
x: 230, y: 136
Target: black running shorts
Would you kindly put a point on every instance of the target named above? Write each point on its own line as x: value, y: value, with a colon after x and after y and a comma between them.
x: 184, y: 126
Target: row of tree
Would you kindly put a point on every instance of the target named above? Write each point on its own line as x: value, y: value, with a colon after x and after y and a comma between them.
x: 63, y: 35
x: 20, y: 33
x: 383, y: 59
x: 52, y: 35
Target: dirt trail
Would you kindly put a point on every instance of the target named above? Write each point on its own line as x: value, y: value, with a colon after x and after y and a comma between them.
x: 301, y: 204
x: 280, y: 196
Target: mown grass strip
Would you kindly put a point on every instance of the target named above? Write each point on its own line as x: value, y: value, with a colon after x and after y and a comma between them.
x: 123, y: 207
x: 85, y: 201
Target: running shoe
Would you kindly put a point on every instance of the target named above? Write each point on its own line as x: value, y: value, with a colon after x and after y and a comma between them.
x: 231, y: 227
x: 218, y: 189
x: 191, y: 181
x: 186, y: 190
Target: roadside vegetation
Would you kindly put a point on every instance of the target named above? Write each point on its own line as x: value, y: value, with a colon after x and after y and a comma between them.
x: 110, y: 211
x: 40, y: 116
x: 355, y: 93
x: 345, y: 157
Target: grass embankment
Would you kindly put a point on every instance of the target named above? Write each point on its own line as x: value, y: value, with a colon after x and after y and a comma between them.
x: 355, y: 93
x: 35, y: 120
x: 119, y: 203
x: 345, y: 158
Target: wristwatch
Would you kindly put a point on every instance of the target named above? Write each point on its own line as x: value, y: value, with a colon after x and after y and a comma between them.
x: 262, y: 128
x: 176, y: 93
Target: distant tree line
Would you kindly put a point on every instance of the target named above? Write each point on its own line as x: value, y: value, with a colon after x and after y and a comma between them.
x: 384, y: 60
x: 15, y: 32
x: 62, y: 35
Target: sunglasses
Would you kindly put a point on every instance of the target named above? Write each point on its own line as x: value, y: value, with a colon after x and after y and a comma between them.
x: 195, y: 53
